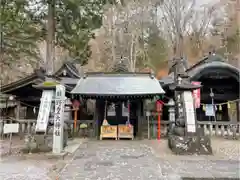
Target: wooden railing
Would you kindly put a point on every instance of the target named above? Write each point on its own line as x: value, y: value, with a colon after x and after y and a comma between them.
x: 216, y: 129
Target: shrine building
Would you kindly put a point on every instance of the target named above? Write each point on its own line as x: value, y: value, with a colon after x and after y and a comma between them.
x: 220, y: 88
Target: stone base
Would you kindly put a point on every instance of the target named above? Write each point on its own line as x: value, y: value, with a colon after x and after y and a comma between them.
x: 57, y: 156
x: 188, y: 145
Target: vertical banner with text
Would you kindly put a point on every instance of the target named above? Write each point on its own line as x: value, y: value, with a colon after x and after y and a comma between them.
x: 197, y: 95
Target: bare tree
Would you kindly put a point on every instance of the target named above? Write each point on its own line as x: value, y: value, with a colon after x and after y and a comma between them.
x: 181, y: 18
x: 124, y: 27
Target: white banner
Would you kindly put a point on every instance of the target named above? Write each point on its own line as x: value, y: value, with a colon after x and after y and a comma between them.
x: 125, y: 110
x: 190, y: 111
x: 44, y: 110
x: 111, y: 110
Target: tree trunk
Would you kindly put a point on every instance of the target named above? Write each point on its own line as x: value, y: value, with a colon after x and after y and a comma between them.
x: 50, y: 53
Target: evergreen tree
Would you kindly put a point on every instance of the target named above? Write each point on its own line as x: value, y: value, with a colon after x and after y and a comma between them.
x: 18, y: 34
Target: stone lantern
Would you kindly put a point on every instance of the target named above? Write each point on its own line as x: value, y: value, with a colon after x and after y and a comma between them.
x: 184, y: 137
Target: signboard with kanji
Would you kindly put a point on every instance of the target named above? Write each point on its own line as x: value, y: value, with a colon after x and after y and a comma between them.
x: 189, y: 111
x: 108, y: 131
x: 125, y: 131
x: 58, y: 119
x: 44, y: 111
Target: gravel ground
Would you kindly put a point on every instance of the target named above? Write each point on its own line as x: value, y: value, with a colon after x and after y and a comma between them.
x: 137, y: 160
x: 125, y: 160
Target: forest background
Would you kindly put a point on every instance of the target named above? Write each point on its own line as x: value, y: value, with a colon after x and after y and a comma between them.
x: 94, y: 34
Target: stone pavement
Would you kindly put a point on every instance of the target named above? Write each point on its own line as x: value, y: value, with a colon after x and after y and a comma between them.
x: 17, y: 144
x: 32, y: 166
x: 29, y: 167
x: 124, y: 160
x: 139, y: 160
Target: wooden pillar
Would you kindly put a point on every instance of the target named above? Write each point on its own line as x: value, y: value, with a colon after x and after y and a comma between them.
x: 139, y: 133
x: 96, y: 119
x: 238, y: 111
x: 17, y: 116
x: 75, y: 120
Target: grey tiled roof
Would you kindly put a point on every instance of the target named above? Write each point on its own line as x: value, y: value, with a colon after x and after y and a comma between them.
x: 118, y: 84
x: 213, y: 61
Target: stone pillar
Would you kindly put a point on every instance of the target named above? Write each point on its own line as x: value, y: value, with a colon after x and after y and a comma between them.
x: 58, y: 119
x: 171, y: 112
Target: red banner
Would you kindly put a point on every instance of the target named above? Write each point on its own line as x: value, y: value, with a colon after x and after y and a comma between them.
x: 197, y: 95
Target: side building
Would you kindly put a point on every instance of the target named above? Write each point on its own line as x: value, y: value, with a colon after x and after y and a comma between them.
x: 220, y: 88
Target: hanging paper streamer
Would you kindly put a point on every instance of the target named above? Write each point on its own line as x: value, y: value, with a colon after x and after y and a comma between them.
x: 220, y: 107
x: 105, y: 122
x: 204, y: 108
x: 216, y: 108
x: 34, y: 110
x: 228, y: 105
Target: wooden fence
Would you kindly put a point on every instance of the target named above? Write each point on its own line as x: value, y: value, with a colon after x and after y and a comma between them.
x: 215, y: 129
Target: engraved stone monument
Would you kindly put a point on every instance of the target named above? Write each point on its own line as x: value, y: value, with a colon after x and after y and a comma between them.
x: 58, y: 119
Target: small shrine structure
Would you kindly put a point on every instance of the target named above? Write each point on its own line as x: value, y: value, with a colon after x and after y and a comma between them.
x: 119, y: 100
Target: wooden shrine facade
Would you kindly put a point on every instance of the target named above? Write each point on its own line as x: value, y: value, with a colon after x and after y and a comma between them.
x: 119, y: 98
x: 220, y: 87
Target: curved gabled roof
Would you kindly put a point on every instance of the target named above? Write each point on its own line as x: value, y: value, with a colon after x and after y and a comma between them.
x: 118, y: 84
x: 35, y: 77
x: 70, y: 68
x: 207, y: 63
x: 213, y: 62
x: 38, y: 77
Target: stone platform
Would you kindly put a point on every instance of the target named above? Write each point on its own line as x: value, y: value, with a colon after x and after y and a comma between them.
x: 188, y: 145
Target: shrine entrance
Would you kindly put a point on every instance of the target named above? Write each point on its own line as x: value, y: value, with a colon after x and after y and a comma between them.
x: 119, y: 112
x: 119, y: 97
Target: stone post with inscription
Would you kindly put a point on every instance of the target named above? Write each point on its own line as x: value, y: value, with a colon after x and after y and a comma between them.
x: 185, y: 137
x: 171, y: 112
x: 58, y: 119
